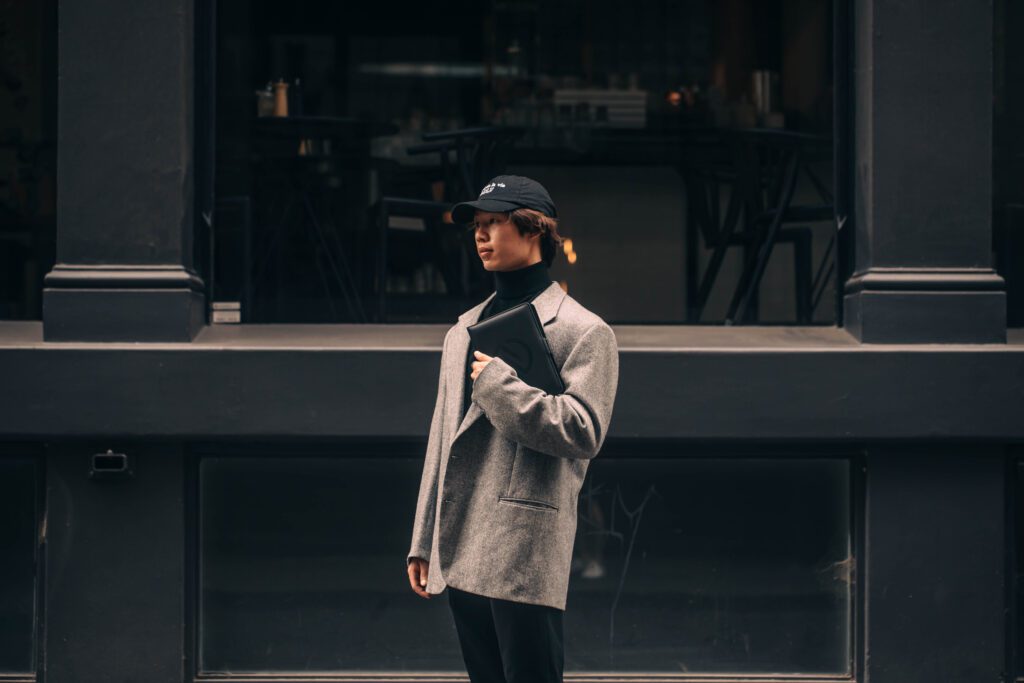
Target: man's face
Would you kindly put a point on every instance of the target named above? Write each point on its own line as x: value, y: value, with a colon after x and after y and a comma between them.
x: 499, y: 244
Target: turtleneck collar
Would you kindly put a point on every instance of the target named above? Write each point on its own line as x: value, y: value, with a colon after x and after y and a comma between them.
x: 514, y: 284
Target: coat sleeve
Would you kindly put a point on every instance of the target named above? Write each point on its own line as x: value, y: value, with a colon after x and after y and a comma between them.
x: 568, y: 425
x: 423, y: 525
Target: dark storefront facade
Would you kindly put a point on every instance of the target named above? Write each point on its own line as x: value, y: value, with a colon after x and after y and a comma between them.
x: 840, y: 500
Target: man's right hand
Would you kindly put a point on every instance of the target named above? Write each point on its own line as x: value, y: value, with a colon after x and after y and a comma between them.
x: 418, y: 569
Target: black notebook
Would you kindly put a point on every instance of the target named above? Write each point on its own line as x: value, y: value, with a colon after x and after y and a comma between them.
x: 517, y: 337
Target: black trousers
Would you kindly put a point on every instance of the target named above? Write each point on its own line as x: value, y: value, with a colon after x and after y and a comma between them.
x: 508, y: 642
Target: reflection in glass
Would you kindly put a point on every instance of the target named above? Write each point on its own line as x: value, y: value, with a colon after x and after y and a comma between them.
x: 17, y: 568
x: 302, y: 568
x: 625, y: 112
x: 695, y: 565
x: 712, y: 565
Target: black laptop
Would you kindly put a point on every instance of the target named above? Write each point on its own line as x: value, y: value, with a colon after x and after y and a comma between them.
x: 517, y: 337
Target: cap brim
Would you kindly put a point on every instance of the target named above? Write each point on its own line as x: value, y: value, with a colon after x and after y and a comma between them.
x: 463, y: 212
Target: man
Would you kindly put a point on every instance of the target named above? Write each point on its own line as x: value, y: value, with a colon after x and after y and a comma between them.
x: 496, y: 514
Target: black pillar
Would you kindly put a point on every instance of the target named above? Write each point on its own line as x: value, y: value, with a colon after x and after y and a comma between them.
x: 935, y: 583
x: 124, y: 267
x: 922, y: 177
x: 115, y: 564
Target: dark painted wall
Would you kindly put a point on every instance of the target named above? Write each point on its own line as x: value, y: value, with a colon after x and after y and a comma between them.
x: 673, y: 384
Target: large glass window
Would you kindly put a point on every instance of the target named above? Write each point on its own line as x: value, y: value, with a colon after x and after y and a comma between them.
x: 301, y: 568
x: 668, y: 133
x: 1008, y: 156
x: 28, y: 155
x: 18, y: 510
x: 1017, y: 580
x: 695, y: 565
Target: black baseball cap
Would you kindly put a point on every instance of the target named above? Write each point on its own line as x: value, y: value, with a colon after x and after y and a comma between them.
x: 506, y: 193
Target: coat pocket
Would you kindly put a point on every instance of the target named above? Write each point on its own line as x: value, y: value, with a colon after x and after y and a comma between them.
x: 527, y: 503
x: 535, y: 478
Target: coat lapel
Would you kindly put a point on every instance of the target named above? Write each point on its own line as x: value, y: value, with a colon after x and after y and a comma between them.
x: 457, y: 365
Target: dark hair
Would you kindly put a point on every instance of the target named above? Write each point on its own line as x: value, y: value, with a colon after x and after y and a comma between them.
x: 532, y: 222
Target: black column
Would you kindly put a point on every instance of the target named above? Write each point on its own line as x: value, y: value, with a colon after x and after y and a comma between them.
x: 922, y: 177
x: 115, y: 564
x: 934, y: 590
x: 124, y: 267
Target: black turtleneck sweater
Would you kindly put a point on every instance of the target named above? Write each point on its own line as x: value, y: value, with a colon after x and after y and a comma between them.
x: 511, y: 287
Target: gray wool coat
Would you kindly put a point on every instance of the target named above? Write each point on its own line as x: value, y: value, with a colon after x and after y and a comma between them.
x: 496, y: 512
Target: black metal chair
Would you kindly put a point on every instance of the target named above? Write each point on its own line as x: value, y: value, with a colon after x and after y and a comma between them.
x: 760, y: 168
x: 480, y: 153
x: 304, y: 184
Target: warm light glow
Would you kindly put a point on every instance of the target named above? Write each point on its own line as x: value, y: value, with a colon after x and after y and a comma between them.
x: 571, y: 256
x: 447, y: 217
x: 567, y: 245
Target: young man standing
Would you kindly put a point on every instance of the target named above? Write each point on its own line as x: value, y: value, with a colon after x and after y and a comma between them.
x: 496, y: 513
